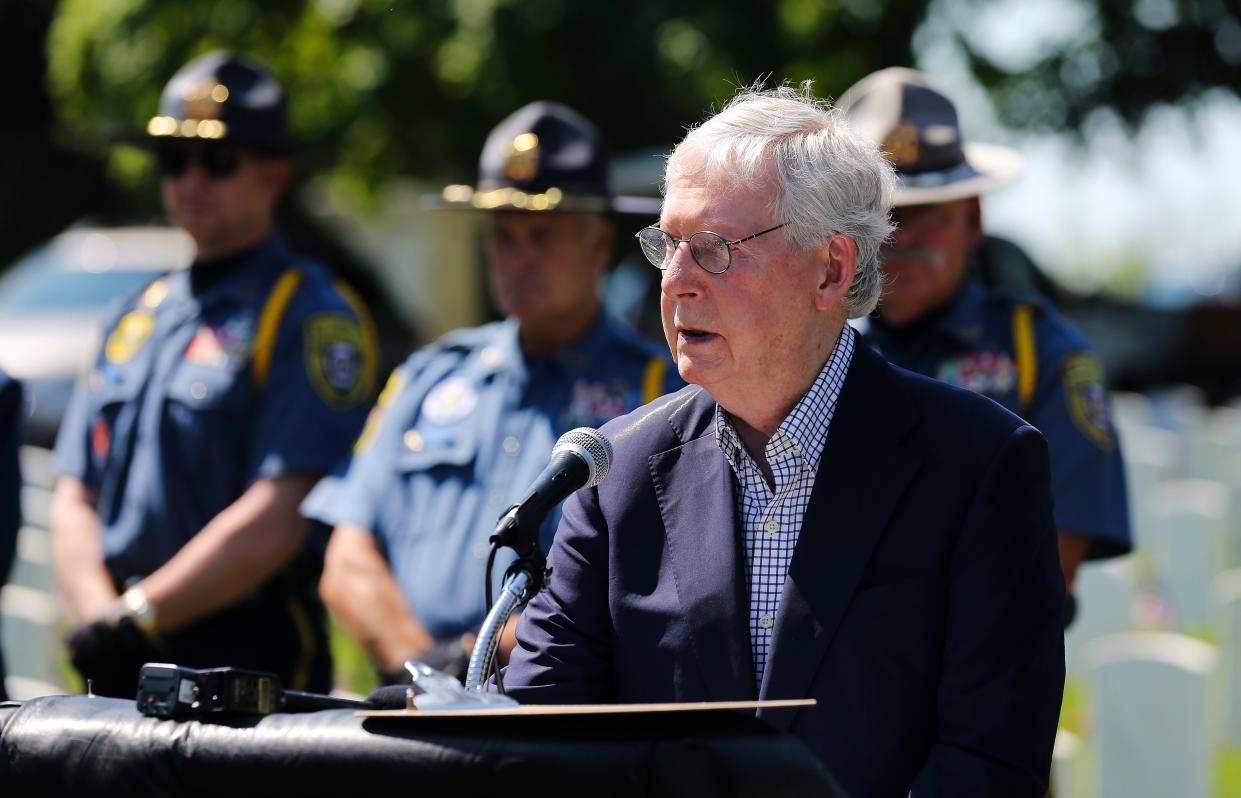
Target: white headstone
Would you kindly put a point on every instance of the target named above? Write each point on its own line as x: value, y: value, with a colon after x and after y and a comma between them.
x: 1226, y: 598
x: 1152, y: 456
x: 1213, y: 442
x: 1152, y: 715
x: 1188, y: 545
x: 1105, y: 594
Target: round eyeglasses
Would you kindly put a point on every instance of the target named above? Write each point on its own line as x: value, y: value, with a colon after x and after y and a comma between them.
x: 710, y: 250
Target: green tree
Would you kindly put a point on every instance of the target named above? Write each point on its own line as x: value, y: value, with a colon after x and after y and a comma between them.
x: 389, y: 88
x: 1125, y: 56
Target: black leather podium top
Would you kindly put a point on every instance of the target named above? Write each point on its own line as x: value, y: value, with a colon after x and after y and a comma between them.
x: 82, y: 745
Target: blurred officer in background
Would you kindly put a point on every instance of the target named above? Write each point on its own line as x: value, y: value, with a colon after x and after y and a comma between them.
x: 465, y: 425
x: 937, y: 318
x: 10, y: 484
x: 220, y: 396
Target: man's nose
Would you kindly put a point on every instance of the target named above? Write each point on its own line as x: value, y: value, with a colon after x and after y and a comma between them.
x: 683, y: 276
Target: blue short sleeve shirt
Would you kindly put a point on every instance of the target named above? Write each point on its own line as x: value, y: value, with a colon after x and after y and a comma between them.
x: 461, y: 431
x: 1019, y: 352
x: 194, y: 397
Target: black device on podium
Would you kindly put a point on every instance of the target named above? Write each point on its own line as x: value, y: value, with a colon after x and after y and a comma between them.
x: 173, y: 691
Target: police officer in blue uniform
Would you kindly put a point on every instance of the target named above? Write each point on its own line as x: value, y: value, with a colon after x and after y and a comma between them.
x: 936, y: 318
x: 221, y: 394
x: 465, y: 425
x: 10, y: 483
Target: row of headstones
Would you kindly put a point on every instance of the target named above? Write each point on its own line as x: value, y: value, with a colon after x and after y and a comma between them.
x: 1155, y: 720
x: 1183, y: 469
x: 1161, y: 704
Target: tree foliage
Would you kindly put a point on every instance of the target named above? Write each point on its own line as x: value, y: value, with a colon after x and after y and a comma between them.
x: 1126, y: 56
x: 400, y: 88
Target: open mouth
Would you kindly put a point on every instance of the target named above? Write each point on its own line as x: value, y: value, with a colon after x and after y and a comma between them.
x: 693, y: 335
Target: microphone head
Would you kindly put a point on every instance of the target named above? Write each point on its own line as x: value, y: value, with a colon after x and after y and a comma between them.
x: 592, y: 447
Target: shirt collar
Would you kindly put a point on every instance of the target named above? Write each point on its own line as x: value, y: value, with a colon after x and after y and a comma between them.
x: 805, y: 427
x: 249, y: 281
x: 593, y: 346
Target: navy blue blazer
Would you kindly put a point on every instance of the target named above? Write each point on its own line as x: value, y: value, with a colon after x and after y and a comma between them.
x: 921, y: 608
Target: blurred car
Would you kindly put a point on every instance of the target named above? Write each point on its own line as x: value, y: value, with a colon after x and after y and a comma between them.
x: 52, y: 301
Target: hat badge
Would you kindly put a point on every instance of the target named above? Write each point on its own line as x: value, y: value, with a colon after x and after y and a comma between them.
x: 901, y: 145
x: 521, y: 162
x: 203, y: 100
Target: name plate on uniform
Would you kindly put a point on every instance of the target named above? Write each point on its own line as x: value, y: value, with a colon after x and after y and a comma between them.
x: 585, y: 709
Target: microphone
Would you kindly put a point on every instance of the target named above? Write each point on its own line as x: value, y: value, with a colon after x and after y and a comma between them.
x: 580, y: 459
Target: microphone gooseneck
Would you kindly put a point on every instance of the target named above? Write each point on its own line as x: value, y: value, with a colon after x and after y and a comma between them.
x: 580, y: 459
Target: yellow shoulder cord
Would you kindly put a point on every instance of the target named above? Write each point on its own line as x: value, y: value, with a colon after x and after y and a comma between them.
x: 1026, y: 354
x: 653, y: 379
x: 370, y: 339
x: 269, y: 322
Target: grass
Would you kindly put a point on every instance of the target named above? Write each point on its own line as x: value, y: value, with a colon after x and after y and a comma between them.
x: 353, y: 671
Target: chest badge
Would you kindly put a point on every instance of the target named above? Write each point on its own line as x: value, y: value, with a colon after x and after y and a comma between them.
x: 450, y: 401
x: 221, y: 346
x: 593, y: 403
x: 131, y: 332
x: 988, y: 373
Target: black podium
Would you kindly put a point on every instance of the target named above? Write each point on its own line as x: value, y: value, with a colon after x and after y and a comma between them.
x: 82, y: 745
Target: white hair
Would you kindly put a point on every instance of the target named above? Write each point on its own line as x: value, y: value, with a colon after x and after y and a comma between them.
x: 829, y: 179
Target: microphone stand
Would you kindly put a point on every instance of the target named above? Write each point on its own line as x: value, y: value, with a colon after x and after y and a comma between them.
x: 523, y: 579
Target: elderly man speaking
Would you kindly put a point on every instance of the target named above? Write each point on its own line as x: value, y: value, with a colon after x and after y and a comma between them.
x: 805, y: 520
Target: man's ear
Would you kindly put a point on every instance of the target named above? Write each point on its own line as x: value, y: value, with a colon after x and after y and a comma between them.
x: 277, y: 172
x: 602, y: 239
x: 838, y: 264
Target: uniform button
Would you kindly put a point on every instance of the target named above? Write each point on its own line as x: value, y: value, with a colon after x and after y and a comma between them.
x: 772, y: 527
x: 198, y: 390
x: 511, y: 446
x: 96, y: 380
x: 413, y: 440
x: 492, y: 356
x: 766, y: 622
x: 480, y: 551
x: 496, y: 499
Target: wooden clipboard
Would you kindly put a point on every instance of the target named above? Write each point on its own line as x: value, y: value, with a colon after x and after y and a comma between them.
x: 584, y: 709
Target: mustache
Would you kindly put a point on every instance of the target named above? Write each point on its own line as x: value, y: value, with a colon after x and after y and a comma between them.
x: 927, y: 255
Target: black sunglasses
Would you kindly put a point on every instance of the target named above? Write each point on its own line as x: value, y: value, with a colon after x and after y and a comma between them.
x: 217, y: 160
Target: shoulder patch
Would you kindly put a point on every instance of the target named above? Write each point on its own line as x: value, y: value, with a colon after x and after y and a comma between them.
x: 129, y: 335
x: 1086, y: 398
x: 337, y: 360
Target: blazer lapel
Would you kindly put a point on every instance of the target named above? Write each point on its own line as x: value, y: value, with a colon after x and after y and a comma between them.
x: 862, y: 474
x: 697, y: 500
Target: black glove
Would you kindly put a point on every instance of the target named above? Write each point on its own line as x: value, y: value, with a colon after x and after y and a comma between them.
x: 110, y: 653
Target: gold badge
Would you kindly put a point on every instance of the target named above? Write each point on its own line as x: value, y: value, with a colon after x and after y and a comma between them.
x: 203, y: 100
x: 340, y: 365
x: 522, y: 161
x: 131, y: 332
x: 1087, y: 398
x: 901, y: 145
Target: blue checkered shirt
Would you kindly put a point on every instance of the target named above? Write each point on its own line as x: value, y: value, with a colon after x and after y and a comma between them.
x: 773, y: 519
